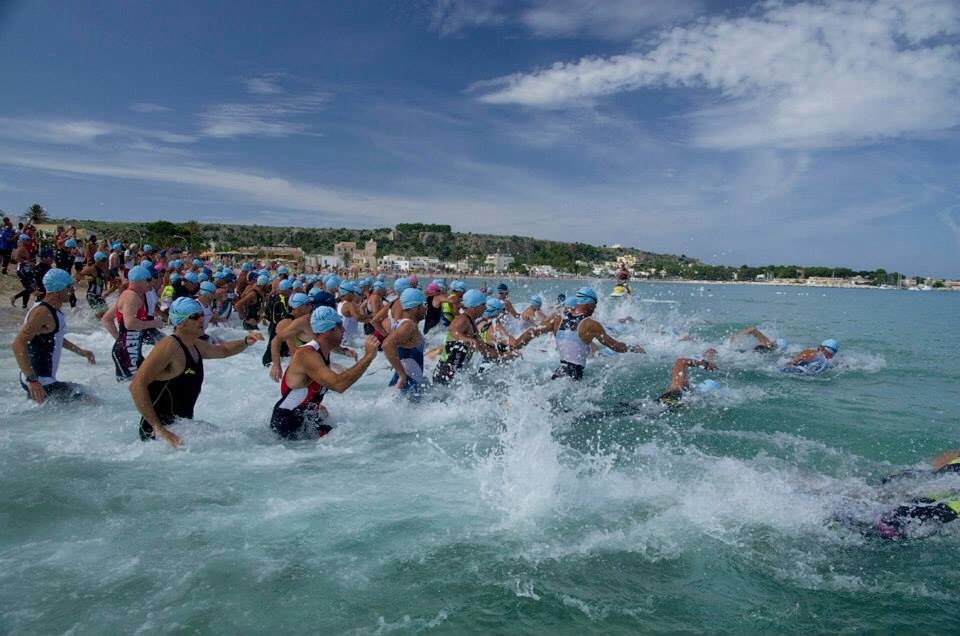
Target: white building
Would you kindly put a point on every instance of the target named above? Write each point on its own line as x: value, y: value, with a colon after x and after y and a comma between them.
x: 498, y: 262
x: 324, y: 261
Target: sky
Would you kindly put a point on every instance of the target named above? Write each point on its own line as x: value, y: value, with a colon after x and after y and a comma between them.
x: 809, y: 133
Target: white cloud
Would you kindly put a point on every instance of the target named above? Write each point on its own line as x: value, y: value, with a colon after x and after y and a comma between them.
x: 789, y: 75
x: 611, y: 19
x: 450, y: 17
x: 78, y: 132
x: 264, y: 84
x: 265, y: 119
x: 147, y: 107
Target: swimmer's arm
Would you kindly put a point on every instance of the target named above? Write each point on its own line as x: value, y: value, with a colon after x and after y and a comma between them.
x: 316, y: 370
x: 275, y: 346
x: 228, y: 348
x: 130, y: 319
x: 381, y: 313
x: 806, y: 354
x: 157, y: 366
x: 594, y: 330
x: 69, y: 346
x: 108, y: 322
x: 292, y: 328
x: 508, y: 307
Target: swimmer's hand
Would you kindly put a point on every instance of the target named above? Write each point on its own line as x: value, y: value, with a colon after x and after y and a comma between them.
x: 170, y: 436
x: 276, y: 372
x: 37, y: 393
x: 86, y: 353
x: 636, y: 349
x: 350, y: 353
x: 370, y: 345
x: 256, y: 335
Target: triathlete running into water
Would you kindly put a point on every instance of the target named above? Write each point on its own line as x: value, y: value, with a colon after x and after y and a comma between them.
x: 131, y: 317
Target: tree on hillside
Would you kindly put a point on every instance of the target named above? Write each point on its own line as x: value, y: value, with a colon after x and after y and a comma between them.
x: 37, y: 214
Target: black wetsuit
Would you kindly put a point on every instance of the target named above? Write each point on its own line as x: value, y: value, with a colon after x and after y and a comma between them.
x: 251, y: 319
x: 180, y: 290
x: 433, y: 316
x: 299, y: 410
x: 454, y: 356
x: 275, y: 311
x: 44, y: 352
x: 177, y: 396
x: 98, y: 284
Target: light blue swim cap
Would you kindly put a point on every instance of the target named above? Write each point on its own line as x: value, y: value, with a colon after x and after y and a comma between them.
x: 493, y: 307
x: 586, y: 295
x: 298, y: 284
x: 262, y: 279
x: 349, y: 287
x: 411, y: 298
x: 202, y: 277
x: 144, y: 263
x: 197, y: 262
x: 285, y: 284
x: 182, y: 308
x: 535, y: 301
x: 218, y: 275
x: 323, y: 319
x: 400, y: 284
x: 206, y: 287
x: 70, y: 243
x: 831, y: 345
x: 379, y: 285
x: 174, y: 277
x: 300, y: 299
x: 331, y: 282
x: 458, y: 285
x: 99, y: 256
x: 138, y: 273
x: 56, y: 280
x: 473, y: 298
x: 366, y: 282
x: 282, y: 269
x: 381, y: 277
x: 191, y: 277
x: 708, y: 386
x: 246, y: 267
x: 570, y: 302
x: 147, y: 247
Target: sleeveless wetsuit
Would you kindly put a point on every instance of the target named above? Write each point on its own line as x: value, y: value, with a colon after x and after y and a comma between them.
x: 276, y: 311
x: 128, y: 349
x: 573, y: 351
x: 177, y: 396
x: 252, y: 317
x: 44, y: 350
x: 299, y: 409
x: 95, y: 289
x: 433, y: 317
x: 349, y: 327
x: 454, y: 356
x: 411, y: 359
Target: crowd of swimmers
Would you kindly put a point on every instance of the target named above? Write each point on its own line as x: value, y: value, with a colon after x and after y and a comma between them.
x: 136, y: 291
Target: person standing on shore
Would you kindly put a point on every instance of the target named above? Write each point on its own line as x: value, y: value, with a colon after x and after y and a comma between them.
x: 8, y: 241
x: 24, y: 260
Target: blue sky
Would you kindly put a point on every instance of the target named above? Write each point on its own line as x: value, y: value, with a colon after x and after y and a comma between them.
x: 801, y: 132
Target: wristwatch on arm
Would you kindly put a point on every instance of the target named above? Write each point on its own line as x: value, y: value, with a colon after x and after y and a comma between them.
x: 33, y: 378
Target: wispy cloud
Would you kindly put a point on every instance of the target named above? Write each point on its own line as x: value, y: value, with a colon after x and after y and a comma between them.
x: 271, y: 118
x: 791, y: 75
x: 80, y: 131
x: 267, y: 84
x: 147, y: 107
x: 450, y: 17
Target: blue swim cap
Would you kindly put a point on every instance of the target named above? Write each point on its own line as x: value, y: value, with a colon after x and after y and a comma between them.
x: 174, y: 277
x: 707, y: 386
x: 586, y: 296
x: 70, y: 243
x: 138, y: 273
x: 144, y: 263
x: 411, y: 298
x: 147, y: 247
x: 56, y: 280
x: 535, y: 301
x: 262, y: 279
x: 206, y: 270
x: 324, y: 299
x: 191, y: 277
x: 379, y: 285
x: 323, y: 319
x: 285, y: 284
x: 114, y: 245
x: 206, y: 287
x: 246, y: 267
x: 297, y: 284
x: 100, y: 256
x: 381, y: 277
x: 197, y: 262
x: 46, y: 252
x: 473, y: 298
x: 458, y: 285
x: 218, y: 275
x: 202, y: 277
x: 502, y: 287
x: 282, y: 269
x: 400, y: 284
x: 300, y: 299
x: 831, y: 345
x: 182, y: 308
x: 174, y: 263
x: 570, y: 302
x: 331, y: 282
x: 439, y: 283
x: 493, y: 307
x: 348, y: 286
x: 366, y: 282
x: 24, y: 237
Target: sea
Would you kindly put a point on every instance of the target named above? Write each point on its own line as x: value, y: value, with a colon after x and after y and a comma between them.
x: 512, y: 503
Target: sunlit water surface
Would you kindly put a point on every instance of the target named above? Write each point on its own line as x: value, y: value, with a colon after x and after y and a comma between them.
x: 514, y: 505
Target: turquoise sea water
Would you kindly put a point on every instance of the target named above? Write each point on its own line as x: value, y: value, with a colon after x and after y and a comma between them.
x: 519, y: 505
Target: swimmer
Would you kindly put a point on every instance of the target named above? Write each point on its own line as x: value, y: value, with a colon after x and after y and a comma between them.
x: 403, y: 347
x: 532, y: 314
x: 575, y: 332
x: 462, y: 339
x: 250, y: 305
x: 38, y: 343
x: 301, y: 305
x: 939, y: 507
x: 492, y: 331
x: 764, y: 344
x: 100, y: 285
x: 502, y: 292
x: 132, y: 321
x: 812, y: 361
x: 275, y: 310
x: 308, y: 377
x: 168, y: 383
x: 679, y: 383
